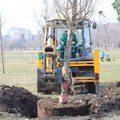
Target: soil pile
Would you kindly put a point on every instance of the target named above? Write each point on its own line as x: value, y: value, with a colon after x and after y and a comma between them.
x: 95, y: 106
x: 18, y: 100
x: 107, y: 101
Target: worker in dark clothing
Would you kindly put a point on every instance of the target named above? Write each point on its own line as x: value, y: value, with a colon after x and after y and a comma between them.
x: 63, y: 41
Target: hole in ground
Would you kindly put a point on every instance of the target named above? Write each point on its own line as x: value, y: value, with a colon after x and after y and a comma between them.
x: 71, y: 111
x: 51, y: 107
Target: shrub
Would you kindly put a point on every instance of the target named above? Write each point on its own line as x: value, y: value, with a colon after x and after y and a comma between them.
x: 108, y: 59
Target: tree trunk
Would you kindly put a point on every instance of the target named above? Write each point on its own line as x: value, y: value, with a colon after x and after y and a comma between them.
x: 67, y: 83
x: 68, y: 52
x: 2, y: 57
x: 71, y: 27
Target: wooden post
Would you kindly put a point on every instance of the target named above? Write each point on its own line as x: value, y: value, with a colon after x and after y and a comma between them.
x: 1, y: 46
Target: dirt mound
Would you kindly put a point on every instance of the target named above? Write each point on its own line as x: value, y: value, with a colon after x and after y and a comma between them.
x: 107, y: 101
x: 17, y: 100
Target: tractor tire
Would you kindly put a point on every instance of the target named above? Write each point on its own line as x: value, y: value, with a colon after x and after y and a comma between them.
x: 93, y: 88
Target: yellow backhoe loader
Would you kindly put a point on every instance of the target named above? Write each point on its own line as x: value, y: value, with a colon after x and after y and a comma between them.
x: 84, y: 66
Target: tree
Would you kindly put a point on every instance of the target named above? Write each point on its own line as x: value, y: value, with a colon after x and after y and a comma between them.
x: 1, y: 44
x: 45, y: 15
x: 116, y: 6
x: 46, y: 12
x: 73, y: 11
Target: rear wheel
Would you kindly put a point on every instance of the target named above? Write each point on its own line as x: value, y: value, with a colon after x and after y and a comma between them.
x: 93, y: 87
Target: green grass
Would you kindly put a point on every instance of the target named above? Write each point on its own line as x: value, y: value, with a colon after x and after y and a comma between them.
x: 110, y: 71
x: 21, y: 69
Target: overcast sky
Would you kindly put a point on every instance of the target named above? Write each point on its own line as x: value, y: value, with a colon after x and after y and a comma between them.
x: 19, y: 13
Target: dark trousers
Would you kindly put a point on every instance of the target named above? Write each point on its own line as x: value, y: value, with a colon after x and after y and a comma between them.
x: 102, y: 59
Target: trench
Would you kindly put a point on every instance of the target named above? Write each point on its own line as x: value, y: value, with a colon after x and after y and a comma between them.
x: 82, y: 110
x: 51, y: 107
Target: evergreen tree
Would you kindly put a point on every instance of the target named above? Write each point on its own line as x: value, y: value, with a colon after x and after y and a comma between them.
x: 116, y: 6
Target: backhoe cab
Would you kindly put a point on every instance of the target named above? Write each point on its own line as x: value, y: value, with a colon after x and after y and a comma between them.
x: 84, y: 65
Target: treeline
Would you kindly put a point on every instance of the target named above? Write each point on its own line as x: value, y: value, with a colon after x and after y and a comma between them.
x: 107, y: 35
x: 104, y: 36
x: 23, y: 39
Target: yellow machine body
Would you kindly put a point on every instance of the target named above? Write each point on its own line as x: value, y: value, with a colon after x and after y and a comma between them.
x: 84, y: 70
x: 94, y: 64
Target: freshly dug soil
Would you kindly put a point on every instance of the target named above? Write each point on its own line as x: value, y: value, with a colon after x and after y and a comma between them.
x: 107, y: 101
x: 18, y: 100
x: 95, y: 106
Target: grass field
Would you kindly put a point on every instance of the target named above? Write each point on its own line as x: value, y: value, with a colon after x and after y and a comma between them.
x: 21, y: 69
x: 110, y: 71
